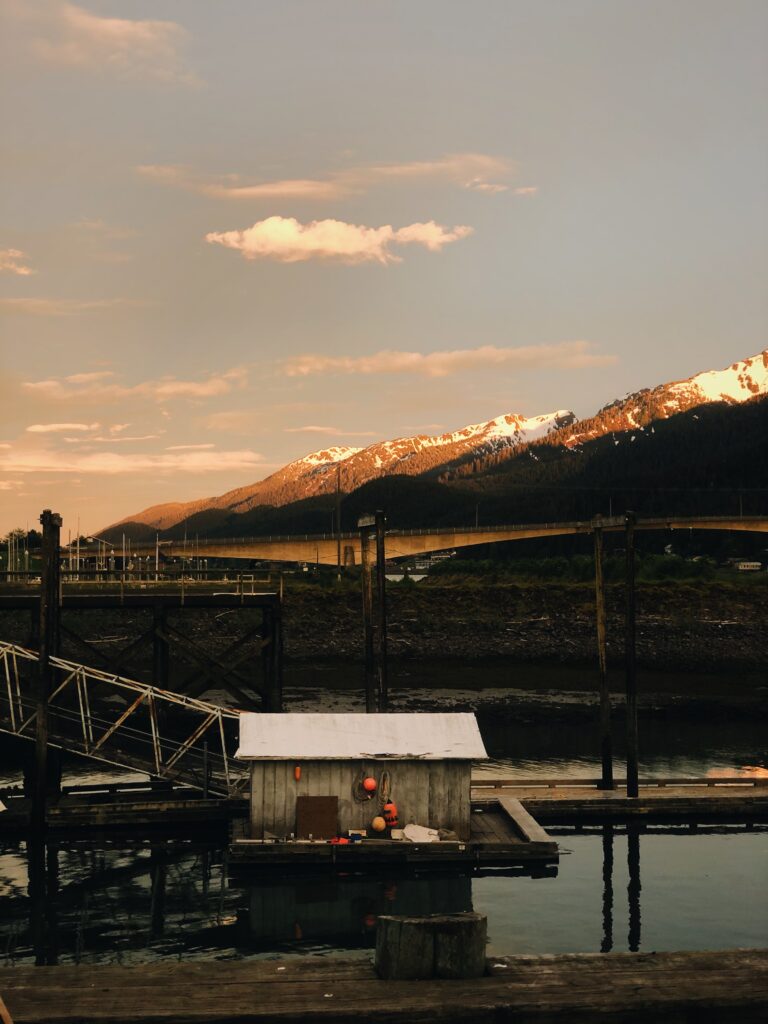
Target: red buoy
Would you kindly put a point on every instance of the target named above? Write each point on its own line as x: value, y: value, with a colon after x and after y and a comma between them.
x: 369, y: 785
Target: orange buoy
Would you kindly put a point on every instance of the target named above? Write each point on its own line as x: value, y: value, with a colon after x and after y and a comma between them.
x: 369, y: 785
x: 297, y: 772
x: 378, y: 824
x: 390, y: 814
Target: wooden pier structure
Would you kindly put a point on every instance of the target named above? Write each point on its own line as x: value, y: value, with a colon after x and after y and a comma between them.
x: 612, y: 988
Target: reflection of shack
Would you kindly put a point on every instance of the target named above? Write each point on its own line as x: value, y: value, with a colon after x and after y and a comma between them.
x: 321, y: 775
x: 344, y: 912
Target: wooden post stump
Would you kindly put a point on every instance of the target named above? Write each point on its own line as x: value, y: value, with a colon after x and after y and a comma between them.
x: 438, y: 946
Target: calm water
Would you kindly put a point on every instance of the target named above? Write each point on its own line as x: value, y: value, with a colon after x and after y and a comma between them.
x: 663, y: 889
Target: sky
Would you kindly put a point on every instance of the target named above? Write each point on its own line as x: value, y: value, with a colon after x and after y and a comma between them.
x: 235, y: 232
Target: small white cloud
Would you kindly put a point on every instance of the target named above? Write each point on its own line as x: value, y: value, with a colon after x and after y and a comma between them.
x: 286, y: 240
x: 527, y: 190
x: 11, y: 263
x: 61, y: 428
x: 567, y: 354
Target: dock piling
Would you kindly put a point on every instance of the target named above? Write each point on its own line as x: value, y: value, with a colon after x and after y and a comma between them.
x: 630, y: 660
x: 49, y: 642
x: 606, y: 747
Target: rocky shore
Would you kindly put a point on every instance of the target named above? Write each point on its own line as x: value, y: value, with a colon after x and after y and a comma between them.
x: 680, y: 627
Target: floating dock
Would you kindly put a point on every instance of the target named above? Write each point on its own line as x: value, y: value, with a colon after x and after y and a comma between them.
x: 502, y: 834
x: 614, y: 988
x: 581, y: 802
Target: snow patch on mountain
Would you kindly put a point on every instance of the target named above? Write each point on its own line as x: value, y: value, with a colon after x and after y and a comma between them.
x: 328, y: 456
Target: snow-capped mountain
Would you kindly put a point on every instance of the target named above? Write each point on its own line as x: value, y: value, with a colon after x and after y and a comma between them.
x: 637, y: 411
x: 317, y: 472
x: 470, y: 447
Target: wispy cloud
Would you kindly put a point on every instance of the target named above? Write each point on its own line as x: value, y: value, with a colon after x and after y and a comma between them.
x: 286, y: 240
x: 66, y: 35
x: 11, y: 263
x: 61, y: 428
x: 564, y: 355
x: 189, y: 447
x: 117, y: 463
x: 100, y: 386
x: 63, y: 307
x: 476, y: 171
x: 103, y: 229
x: 330, y: 431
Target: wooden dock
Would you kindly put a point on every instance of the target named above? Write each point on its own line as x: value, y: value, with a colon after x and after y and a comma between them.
x: 577, y: 802
x: 613, y: 988
x: 140, y: 807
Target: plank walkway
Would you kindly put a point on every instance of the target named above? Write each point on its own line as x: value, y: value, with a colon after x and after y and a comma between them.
x: 577, y: 802
x: 655, y: 988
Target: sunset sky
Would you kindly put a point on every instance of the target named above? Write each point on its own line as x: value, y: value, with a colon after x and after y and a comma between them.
x: 235, y: 232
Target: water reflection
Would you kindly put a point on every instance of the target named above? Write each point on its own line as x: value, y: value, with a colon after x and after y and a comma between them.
x: 634, y: 887
x: 80, y: 902
x: 607, y: 944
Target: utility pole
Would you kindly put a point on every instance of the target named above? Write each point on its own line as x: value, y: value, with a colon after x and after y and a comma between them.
x: 629, y: 649
x: 371, y: 680
x: 49, y: 641
x: 338, y: 520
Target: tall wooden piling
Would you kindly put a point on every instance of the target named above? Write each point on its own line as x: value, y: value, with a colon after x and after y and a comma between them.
x: 606, y: 746
x: 49, y: 642
x: 371, y: 679
x: 380, y: 638
x: 630, y: 660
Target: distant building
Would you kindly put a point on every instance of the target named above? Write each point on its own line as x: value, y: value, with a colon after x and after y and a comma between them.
x: 749, y: 566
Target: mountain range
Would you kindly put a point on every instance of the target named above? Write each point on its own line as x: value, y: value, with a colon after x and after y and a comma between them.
x: 482, y: 456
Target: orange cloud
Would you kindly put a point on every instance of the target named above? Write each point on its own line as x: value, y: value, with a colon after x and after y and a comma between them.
x: 466, y: 170
x: 567, y: 354
x: 71, y: 36
x: 61, y: 428
x: 115, y: 463
x: 288, y: 241
x: 96, y: 386
x: 62, y: 307
x: 10, y: 263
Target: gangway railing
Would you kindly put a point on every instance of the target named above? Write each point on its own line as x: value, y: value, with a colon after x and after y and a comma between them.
x: 123, y: 722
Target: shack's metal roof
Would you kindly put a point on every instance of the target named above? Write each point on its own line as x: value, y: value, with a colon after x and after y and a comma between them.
x: 430, y: 737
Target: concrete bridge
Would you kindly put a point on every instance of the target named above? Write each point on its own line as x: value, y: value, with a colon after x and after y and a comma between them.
x: 326, y: 548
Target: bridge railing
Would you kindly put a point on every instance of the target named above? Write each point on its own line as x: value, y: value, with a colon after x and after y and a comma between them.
x: 123, y: 722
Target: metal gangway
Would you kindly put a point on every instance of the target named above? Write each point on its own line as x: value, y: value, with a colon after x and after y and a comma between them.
x: 123, y: 722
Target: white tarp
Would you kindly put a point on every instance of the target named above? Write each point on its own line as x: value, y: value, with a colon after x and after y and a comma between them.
x: 344, y: 736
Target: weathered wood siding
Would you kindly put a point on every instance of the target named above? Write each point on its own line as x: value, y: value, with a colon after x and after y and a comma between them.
x: 433, y: 793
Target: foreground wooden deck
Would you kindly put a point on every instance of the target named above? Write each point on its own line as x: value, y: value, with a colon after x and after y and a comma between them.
x: 708, y: 988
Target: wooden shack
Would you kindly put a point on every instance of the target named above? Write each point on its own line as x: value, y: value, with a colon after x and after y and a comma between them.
x: 308, y: 771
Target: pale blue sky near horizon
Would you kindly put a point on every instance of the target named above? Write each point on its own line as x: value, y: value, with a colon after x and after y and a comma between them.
x: 609, y: 157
